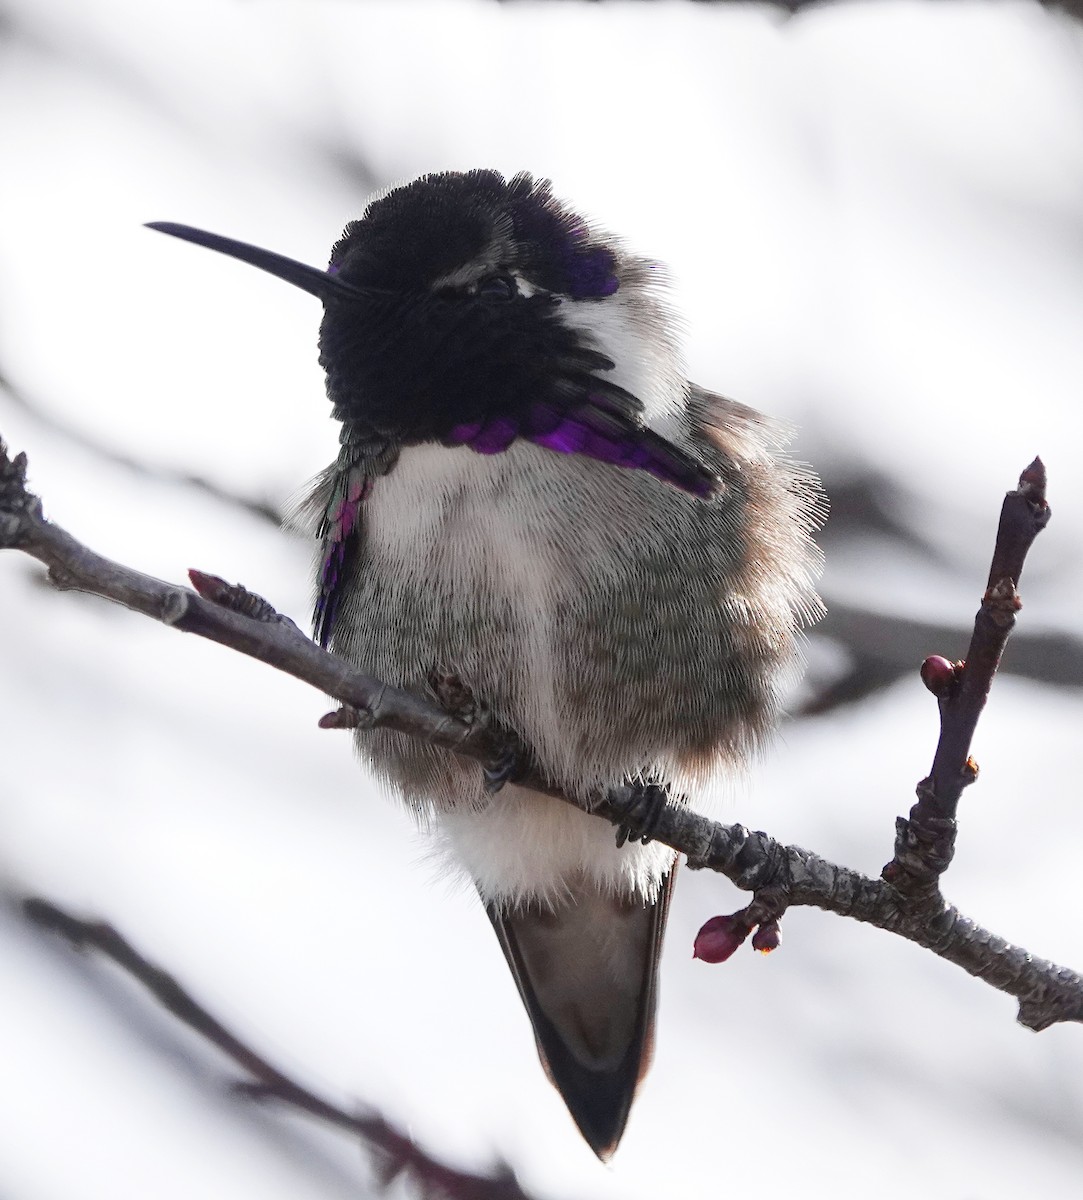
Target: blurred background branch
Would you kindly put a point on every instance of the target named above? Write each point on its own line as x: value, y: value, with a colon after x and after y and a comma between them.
x: 394, y: 1155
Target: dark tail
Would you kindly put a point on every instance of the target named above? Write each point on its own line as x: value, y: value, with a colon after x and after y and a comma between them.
x: 587, y: 972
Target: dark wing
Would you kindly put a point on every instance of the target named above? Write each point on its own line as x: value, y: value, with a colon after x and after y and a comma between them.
x: 581, y: 412
x: 593, y: 427
x: 338, y: 500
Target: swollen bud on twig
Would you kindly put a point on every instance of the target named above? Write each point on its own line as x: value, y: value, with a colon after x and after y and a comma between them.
x: 234, y: 596
x: 940, y: 675
x: 1032, y: 482
x: 210, y: 587
x: 719, y: 938
x: 346, y: 717
x: 767, y: 938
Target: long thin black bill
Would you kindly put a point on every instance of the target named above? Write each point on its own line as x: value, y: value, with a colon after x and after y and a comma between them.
x: 310, y: 279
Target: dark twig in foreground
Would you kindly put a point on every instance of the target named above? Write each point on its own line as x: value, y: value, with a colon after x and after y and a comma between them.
x: 925, y: 841
x: 1025, y: 513
x: 779, y: 876
x: 394, y: 1154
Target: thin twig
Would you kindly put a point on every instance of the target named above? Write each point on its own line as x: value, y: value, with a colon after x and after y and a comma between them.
x: 925, y: 841
x: 394, y: 1153
x: 1025, y: 513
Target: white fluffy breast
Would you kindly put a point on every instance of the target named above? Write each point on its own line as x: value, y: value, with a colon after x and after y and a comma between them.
x: 463, y: 524
x: 436, y: 491
x: 459, y: 528
x: 527, y: 847
x: 473, y: 530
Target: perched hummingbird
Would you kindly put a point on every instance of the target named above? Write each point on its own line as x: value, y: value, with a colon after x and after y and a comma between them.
x: 532, y: 502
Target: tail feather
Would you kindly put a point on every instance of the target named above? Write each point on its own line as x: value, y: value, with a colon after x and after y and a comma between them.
x: 587, y: 973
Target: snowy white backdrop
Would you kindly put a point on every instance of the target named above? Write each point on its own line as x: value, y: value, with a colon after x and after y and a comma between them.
x: 872, y: 213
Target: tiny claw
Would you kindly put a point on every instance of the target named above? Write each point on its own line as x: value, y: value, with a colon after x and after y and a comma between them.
x: 454, y: 696
x: 719, y: 938
x: 510, y: 759
x: 510, y: 763
x: 646, y: 803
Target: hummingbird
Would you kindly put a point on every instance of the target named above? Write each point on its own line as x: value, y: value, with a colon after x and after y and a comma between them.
x: 534, y: 515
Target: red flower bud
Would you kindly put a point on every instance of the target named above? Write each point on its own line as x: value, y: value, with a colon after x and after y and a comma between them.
x: 210, y: 587
x: 719, y: 938
x: 938, y: 674
x: 767, y: 938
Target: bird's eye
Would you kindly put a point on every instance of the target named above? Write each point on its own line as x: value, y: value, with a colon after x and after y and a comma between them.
x: 497, y: 287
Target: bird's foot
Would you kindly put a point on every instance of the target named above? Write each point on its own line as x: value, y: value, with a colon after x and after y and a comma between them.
x: 454, y: 696
x: 510, y: 762
x: 511, y: 758
x: 645, y: 800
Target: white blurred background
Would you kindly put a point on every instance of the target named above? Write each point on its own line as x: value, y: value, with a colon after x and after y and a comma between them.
x: 873, y: 213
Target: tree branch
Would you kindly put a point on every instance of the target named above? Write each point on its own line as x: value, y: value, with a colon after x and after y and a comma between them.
x: 394, y: 1153
x: 906, y: 901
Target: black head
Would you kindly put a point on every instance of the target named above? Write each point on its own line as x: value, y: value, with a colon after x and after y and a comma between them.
x: 475, y: 270
x: 453, y: 229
